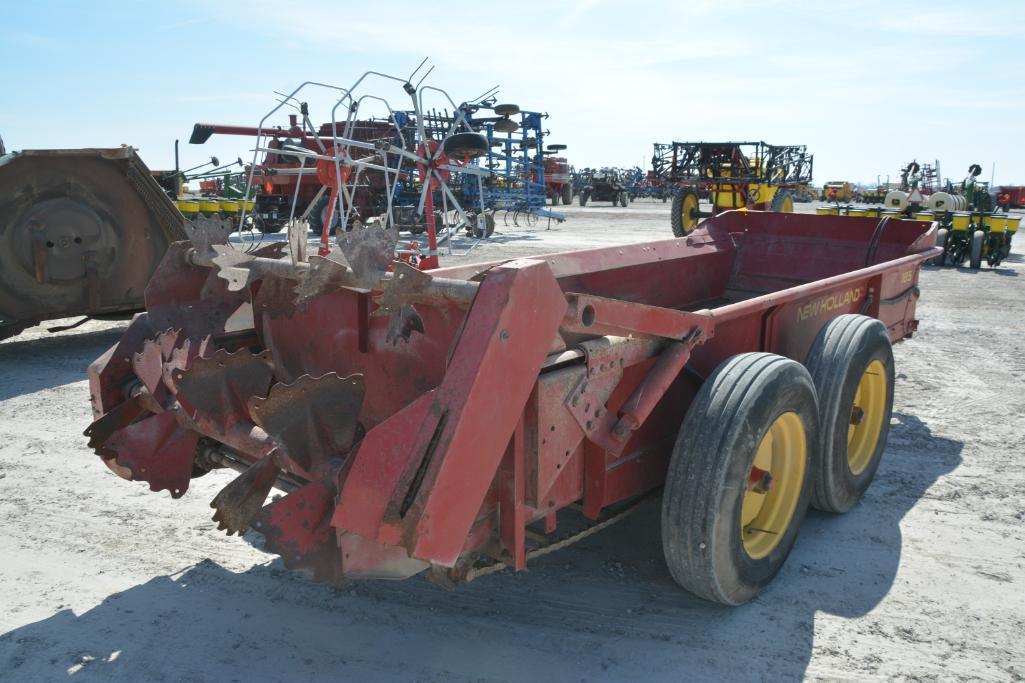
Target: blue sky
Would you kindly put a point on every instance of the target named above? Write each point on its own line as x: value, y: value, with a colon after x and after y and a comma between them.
x: 867, y: 85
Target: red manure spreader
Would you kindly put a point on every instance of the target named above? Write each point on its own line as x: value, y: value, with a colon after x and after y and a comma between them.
x: 472, y: 418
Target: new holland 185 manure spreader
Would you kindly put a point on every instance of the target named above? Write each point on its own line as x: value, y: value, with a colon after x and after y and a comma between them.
x: 474, y: 417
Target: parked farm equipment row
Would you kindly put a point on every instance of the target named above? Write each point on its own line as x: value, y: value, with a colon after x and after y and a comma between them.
x: 971, y: 237
x: 751, y: 175
x: 499, y: 147
x: 471, y: 418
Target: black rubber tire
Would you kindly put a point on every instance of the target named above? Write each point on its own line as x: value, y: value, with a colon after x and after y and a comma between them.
x: 507, y: 109
x: 583, y: 198
x: 316, y: 216
x: 488, y: 229
x: 506, y: 126
x: 466, y: 145
x: 783, y: 202
x: 567, y: 194
x: 624, y: 199
x: 555, y: 198
x: 706, y: 481
x: 941, y: 241
x: 556, y: 147
x: 676, y: 220
x: 975, y: 254
x: 839, y: 356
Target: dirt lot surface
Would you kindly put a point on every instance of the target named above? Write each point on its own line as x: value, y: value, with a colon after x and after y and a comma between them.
x: 103, y: 580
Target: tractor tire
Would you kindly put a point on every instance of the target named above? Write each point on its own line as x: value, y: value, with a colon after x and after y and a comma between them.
x: 941, y: 241
x: 754, y: 419
x: 624, y: 199
x: 506, y: 109
x: 318, y: 216
x: 975, y: 256
x: 466, y: 145
x: 683, y: 216
x: 485, y: 231
x: 851, y: 363
x: 555, y: 199
x: 783, y: 202
x: 567, y: 194
x: 583, y: 198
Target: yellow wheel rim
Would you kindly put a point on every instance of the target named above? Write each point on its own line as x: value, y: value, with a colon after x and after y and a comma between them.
x: 867, y: 415
x: 689, y: 213
x: 774, y: 485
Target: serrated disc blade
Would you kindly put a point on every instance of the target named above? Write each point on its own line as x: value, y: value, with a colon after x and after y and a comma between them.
x: 312, y: 419
x: 217, y: 390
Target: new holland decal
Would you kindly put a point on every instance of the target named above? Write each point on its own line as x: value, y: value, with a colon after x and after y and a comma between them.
x: 830, y: 302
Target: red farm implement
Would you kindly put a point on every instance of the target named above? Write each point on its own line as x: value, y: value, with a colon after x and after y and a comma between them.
x: 471, y: 418
x: 1011, y: 197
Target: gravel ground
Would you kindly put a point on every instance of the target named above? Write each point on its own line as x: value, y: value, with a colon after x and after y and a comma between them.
x: 103, y: 580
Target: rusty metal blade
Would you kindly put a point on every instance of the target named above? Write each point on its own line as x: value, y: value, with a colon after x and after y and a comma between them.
x: 324, y: 275
x: 274, y: 250
x: 148, y: 363
x: 297, y: 242
x: 276, y: 297
x: 369, y: 251
x: 233, y: 266
x: 122, y: 415
x: 298, y: 528
x: 239, y: 502
x: 406, y: 285
x: 181, y: 357
x: 205, y: 231
x: 218, y: 389
x: 403, y: 323
x: 313, y: 419
x: 158, y: 451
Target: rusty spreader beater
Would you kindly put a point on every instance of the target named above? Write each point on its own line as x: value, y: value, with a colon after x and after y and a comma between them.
x: 473, y: 417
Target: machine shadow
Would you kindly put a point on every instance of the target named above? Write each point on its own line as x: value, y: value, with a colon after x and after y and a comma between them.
x: 590, y: 611
x: 29, y: 365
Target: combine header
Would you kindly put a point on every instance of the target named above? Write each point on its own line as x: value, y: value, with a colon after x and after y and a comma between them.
x: 475, y: 417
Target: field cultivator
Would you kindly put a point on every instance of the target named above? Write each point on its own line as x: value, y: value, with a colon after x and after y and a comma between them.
x: 740, y: 175
x: 81, y: 231
x: 519, y: 162
x: 462, y: 420
x: 641, y: 185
